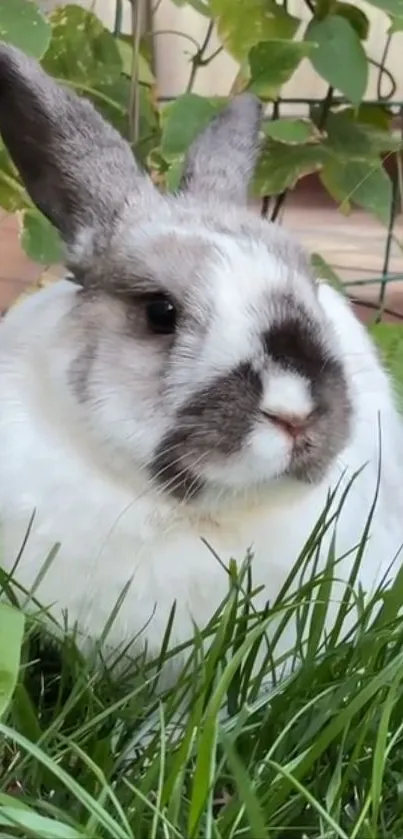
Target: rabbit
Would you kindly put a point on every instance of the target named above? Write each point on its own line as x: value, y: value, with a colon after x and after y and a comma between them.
x: 189, y: 391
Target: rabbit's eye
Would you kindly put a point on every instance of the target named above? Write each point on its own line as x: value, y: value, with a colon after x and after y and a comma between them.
x: 161, y: 315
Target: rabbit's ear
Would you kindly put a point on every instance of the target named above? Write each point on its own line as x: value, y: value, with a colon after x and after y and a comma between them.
x: 221, y: 160
x: 77, y: 169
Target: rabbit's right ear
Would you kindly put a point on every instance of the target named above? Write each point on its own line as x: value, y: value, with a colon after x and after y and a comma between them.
x: 77, y: 169
x: 221, y: 160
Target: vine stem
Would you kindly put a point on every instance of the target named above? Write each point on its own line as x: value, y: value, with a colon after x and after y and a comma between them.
x: 325, y: 108
x: 384, y: 71
x: 264, y: 211
x: 198, y: 59
x: 134, y: 100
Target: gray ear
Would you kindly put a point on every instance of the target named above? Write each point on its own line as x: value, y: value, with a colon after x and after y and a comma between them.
x: 221, y: 160
x: 76, y: 168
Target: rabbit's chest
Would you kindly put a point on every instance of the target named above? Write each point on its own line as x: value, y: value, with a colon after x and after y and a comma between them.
x: 115, y: 543
x: 128, y: 547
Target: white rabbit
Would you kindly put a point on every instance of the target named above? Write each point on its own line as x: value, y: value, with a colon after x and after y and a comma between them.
x: 190, y: 380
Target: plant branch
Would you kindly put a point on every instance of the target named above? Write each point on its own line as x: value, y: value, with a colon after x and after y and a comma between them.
x: 198, y: 59
x: 134, y: 99
x: 267, y: 198
x: 384, y: 71
x: 211, y: 57
x: 325, y: 108
x: 310, y: 6
x: 278, y: 205
x: 178, y: 34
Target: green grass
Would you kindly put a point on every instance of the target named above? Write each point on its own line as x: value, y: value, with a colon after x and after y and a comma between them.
x: 229, y: 751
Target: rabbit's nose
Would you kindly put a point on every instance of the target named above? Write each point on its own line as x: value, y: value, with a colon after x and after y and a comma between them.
x: 293, y: 424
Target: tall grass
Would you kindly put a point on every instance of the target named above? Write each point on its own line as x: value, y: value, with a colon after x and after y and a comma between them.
x: 230, y: 750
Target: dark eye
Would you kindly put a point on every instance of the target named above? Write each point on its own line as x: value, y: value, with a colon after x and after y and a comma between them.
x: 161, y: 315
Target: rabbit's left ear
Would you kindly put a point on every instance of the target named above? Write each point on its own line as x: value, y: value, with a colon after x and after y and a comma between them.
x: 221, y: 161
x: 77, y: 169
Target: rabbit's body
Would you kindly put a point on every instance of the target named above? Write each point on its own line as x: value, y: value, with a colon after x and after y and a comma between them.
x: 113, y: 530
x: 192, y: 384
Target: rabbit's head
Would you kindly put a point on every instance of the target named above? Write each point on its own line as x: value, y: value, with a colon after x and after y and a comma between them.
x: 196, y: 351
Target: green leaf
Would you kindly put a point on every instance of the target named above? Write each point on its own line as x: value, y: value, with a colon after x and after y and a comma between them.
x: 182, y: 121
x: 324, y: 271
x: 346, y: 138
x: 377, y: 116
x: 370, y: 187
x: 365, y: 183
x: 292, y: 131
x: 281, y: 166
x: 11, y: 636
x: 329, y: 177
x: 144, y: 73
x: 174, y: 174
x: 23, y: 25
x: 352, y: 140
x: 340, y: 57
x: 389, y: 339
x: 396, y: 25
x: 39, y: 238
x: 272, y: 64
x: 81, y: 49
x: 12, y: 193
x: 358, y: 19
x: 241, y: 24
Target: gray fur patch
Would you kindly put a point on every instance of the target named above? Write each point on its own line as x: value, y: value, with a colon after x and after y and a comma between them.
x: 75, y: 166
x: 218, y: 420
x: 215, y: 422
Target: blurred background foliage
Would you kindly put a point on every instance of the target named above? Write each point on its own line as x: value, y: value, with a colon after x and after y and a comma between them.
x: 346, y: 139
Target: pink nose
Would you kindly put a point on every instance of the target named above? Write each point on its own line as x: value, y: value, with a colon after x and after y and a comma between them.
x: 292, y: 424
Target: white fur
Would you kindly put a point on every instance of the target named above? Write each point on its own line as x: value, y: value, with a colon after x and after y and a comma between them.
x: 112, y: 530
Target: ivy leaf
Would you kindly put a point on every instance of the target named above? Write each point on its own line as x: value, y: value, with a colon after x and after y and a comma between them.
x: 23, y: 25
x: 352, y: 140
x: 39, y: 239
x: 376, y: 116
x: 241, y: 24
x: 182, y: 121
x: 358, y: 19
x: 81, y: 50
x: 272, y: 64
x: 11, y: 635
x: 144, y: 73
x: 281, y: 166
x: 365, y: 183
x: 292, y: 131
x: 329, y: 177
x: 389, y: 339
x: 396, y: 25
x: 174, y: 174
x: 340, y: 57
